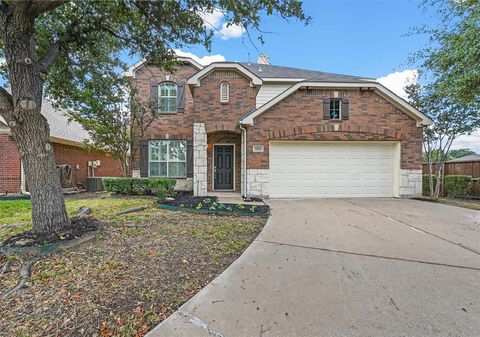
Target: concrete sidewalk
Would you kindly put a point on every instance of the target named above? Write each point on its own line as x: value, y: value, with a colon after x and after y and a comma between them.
x: 346, y: 267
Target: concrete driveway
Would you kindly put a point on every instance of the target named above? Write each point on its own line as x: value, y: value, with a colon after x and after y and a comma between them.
x: 346, y: 267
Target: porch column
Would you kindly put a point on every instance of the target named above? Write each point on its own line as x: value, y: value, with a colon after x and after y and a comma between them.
x: 199, y: 159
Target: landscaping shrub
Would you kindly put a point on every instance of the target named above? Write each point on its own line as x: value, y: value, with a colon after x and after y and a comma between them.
x: 140, y: 186
x: 458, y: 186
x: 426, y: 184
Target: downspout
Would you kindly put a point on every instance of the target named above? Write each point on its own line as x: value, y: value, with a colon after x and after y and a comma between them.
x: 244, y: 151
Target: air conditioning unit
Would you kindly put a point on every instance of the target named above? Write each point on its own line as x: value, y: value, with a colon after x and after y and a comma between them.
x: 94, y: 184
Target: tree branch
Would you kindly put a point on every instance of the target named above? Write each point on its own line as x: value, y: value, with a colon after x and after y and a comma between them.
x: 53, y: 51
x: 5, y: 11
x: 42, y: 6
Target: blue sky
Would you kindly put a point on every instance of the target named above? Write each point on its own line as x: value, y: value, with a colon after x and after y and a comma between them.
x: 357, y: 37
x: 364, y: 38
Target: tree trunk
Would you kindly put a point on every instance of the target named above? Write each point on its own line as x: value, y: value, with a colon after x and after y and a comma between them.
x: 28, y: 126
x: 49, y: 213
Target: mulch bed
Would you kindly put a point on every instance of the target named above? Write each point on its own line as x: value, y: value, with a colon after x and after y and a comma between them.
x: 210, y: 204
x: 78, y: 227
x: 142, y: 268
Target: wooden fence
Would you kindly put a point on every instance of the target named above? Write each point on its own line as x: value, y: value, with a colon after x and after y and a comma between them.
x: 468, y: 168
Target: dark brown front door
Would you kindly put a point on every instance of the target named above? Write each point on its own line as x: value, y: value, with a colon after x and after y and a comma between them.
x: 223, y: 169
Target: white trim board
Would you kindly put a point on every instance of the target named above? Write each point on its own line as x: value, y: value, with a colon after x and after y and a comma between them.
x: 421, y: 118
x: 130, y: 72
x: 196, y: 79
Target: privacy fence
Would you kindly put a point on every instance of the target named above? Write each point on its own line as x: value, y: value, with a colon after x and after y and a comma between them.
x: 468, y: 168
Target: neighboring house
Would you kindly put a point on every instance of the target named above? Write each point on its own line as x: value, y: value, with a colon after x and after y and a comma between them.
x: 466, y: 159
x: 278, y: 132
x: 66, y: 137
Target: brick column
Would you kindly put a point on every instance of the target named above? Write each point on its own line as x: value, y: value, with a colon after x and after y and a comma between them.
x: 199, y: 159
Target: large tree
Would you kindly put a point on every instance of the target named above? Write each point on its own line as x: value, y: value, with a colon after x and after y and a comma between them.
x: 451, y: 119
x: 63, y: 49
x: 452, y: 57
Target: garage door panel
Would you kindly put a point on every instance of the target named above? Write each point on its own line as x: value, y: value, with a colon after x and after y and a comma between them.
x: 316, y: 169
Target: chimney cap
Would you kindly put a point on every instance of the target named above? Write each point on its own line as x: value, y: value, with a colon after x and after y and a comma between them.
x: 263, y: 59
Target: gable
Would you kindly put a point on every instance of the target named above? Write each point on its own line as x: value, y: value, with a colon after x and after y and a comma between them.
x: 383, y: 92
x: 131, y: 72
x: 195, y: 80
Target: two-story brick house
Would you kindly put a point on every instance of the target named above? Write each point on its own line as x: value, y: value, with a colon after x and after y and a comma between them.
x: 278, y: 132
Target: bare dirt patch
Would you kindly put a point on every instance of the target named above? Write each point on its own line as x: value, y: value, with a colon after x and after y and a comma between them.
x: 140, y: 269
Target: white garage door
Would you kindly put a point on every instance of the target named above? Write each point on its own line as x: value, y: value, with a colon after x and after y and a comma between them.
x: 331, y: 169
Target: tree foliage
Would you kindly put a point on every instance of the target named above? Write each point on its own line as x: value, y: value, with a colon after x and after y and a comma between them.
x: 451, y: 119
x: 72, y: 51
x: 458, y: 153
x: 453, y: 55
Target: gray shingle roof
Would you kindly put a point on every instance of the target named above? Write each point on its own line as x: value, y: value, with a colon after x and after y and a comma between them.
x: 471, y: 157
x: 60, y: 125
x: 271, y: 71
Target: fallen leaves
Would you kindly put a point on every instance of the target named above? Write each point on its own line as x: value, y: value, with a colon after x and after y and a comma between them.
x: 128, y: 281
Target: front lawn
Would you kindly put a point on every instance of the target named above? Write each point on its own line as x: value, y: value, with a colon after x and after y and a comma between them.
x: 15, y: 215
x: 143, y: 266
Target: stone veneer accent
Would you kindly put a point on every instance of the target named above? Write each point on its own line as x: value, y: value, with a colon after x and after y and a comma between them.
x: 410, y: 183
x: 199, y: 159
x: 257, y: 182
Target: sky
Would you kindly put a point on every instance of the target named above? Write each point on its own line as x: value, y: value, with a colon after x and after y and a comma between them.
x: 357, y: 37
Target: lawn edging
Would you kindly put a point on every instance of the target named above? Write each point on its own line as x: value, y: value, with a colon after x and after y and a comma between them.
x: 213, y: 212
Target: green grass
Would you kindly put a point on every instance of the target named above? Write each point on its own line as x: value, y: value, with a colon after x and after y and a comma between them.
x: 15, y: 215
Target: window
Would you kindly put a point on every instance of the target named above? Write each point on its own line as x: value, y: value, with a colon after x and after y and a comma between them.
x: 335, y: 112
x: 167, y: 97
x: 224, y: 92
x: 167, y: 158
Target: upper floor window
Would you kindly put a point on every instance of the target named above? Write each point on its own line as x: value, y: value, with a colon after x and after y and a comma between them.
x: 167, y: 97
x: 335, y: 109
x: 224, y: 92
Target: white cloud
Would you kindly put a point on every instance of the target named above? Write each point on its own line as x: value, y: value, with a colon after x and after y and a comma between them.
x: 398, y: 80
x: 205, y: 60
x: 215, y: 20
x: 232, y: 31
x: 212, y: 19
x: 468, y: 142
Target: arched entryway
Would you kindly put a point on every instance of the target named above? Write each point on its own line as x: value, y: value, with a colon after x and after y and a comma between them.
x: 224, y: 161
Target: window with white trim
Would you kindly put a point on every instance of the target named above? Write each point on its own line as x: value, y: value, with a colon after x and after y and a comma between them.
x: 335, y: 110
x: 224, y: 92
x: 167, y: 97
x: 167, y: 158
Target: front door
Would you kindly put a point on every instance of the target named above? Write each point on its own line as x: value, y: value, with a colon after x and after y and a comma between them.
x: 223, y: 167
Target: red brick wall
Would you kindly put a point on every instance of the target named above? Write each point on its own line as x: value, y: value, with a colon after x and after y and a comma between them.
x: 177, y: 126
x: 10, y: 169
x: 73, y: 156
x: 202, y: 104
x: 300, y: 117
x: 10, y: 163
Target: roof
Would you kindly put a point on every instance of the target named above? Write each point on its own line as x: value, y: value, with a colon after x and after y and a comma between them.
x: 62, y: 129
x: 131, y: 71
x: 269, y: 71
x: 470, y: 157
x: 195, y: 79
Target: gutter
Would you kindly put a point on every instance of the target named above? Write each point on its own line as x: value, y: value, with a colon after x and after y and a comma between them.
x: 244, y: 151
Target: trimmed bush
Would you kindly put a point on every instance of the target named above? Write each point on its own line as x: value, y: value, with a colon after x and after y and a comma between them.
x: 426, y: 184
x: 140, y: 186
x: 458, y: 186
